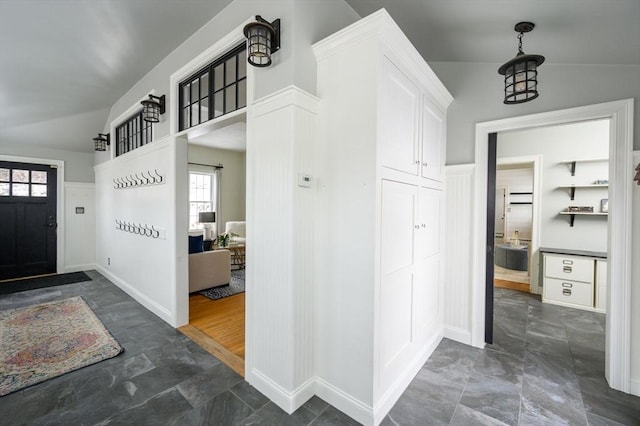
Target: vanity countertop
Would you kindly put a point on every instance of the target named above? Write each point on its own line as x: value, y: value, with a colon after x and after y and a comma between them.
x: 572, y: 252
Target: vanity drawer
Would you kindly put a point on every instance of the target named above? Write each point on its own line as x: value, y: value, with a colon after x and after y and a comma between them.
x: 573, y: 268
x: 565, y: 291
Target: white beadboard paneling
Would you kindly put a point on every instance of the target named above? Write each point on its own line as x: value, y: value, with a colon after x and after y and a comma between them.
x: 144, y: 267
x: 280, y: 256
x: 80, y: 229
x: 457, y: 252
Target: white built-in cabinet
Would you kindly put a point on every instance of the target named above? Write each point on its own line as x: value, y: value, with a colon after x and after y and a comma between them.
x: 380, y: 184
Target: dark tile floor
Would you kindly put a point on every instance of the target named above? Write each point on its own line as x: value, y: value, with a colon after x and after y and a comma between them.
x: 546, y: 367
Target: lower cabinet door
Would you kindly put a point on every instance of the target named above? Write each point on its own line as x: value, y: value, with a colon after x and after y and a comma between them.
x: 569, y: 292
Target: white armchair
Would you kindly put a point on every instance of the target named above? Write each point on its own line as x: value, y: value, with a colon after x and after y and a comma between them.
x: 237, y: 231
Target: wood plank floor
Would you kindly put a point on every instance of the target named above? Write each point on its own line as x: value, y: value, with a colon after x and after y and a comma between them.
x: 218, y: 326
x: 511, y: 285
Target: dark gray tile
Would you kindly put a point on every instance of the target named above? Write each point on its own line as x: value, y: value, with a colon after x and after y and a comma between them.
x: 547, y: 345
x: 548, y: 401
x: 595, y: 420
x: 224, y: 409
x: 201, y: 387
x: 451, y: 360
x: 271, y: 414
x: 493, y: 396
x: 160, y: 409
x: 315, y: 405
x: 465, y: 416
x: 605, y: 402
x: 429, y: 397
x: 499, y: 364
x: 333, y: 417
x: 24, y: 406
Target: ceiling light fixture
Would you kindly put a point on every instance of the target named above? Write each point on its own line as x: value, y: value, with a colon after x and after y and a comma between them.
x: 521, y: 72
x: 153, y: 108
x: 263, y: 39
x: 101, y: 142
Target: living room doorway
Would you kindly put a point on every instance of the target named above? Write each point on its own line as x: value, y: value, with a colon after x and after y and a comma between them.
x: 217, y: 194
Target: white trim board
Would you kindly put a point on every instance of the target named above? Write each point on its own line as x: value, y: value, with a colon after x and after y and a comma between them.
x: 618, y: 335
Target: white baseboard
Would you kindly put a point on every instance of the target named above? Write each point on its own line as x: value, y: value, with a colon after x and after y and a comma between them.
x: 458, y: 334
x: 634, y: 387
x: 78, y: 268
x: 344, y: 402
x: 288, y: 401
x: 391, y: 396
x: 157, y: 309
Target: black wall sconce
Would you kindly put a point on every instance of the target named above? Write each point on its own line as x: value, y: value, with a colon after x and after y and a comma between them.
x: 521, y: 72
x: 263, y: 39
x: 153, y: 108
x: 101, y: 142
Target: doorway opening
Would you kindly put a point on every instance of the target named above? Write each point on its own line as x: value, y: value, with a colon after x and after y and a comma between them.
x: 619, y: 222
x: 217, y: 183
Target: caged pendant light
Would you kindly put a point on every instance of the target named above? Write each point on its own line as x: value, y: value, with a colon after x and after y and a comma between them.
x: 101, y: 142
x: 263, y: 39
x: 521, y: 72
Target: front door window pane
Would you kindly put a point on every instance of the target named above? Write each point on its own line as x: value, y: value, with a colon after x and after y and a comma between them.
x: 38, y: 190
x: 4, y: 175
x: 20, y: 175
x: 38, y: 177
x: 4, y: 190
x: 20, y: 189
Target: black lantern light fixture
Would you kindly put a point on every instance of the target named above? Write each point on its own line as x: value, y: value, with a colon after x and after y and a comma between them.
x: 153, y: 108
x: 521, y: 72
x: 101, y: 142
x: 263, y: 39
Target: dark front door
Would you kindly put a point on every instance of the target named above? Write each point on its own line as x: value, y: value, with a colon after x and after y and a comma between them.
x: 491, y: 223
x: 27, y: 219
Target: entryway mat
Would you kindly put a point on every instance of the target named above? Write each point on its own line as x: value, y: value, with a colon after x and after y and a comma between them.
x: 15, y: 286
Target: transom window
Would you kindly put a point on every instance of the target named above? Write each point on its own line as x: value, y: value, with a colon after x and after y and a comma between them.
x: 133, y: 133
x: 217, y: 89
x: 22, y: 183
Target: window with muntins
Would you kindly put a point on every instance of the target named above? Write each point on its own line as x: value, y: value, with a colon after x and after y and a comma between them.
x: 133, y: 133
x: 216, y: 90
x: 22, y: 183
x: 201, y: 196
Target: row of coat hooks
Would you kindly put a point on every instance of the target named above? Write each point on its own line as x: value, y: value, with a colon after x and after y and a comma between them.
x: 132, y: 181
x: 138, y: 229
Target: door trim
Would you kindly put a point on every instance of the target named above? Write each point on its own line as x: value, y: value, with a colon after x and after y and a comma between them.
x: 618, y: 333
x: 60, y: 244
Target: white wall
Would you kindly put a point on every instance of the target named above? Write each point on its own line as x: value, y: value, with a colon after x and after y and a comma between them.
x: 79, y: 228
x: 478, y: 89
x: 233, y: 182
x: 586, y: 140
x: 635, y: 289
x: 78, y: 165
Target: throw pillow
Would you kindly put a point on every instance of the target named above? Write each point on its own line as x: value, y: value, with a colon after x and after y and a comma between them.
x: 196, y: 244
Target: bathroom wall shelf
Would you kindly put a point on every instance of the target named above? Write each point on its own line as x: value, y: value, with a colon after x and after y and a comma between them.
x: 572, y: 215
x: 572, y: 163
x: 572, y: 188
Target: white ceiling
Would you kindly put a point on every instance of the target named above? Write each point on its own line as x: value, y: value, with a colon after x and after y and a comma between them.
x: 63, y: 63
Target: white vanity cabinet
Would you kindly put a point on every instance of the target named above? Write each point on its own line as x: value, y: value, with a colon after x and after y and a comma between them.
x: 577, y: 281
x: 379, y: 165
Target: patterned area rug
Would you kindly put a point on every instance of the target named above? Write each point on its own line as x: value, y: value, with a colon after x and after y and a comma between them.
x: 44, y: 341
x: 235, y: 286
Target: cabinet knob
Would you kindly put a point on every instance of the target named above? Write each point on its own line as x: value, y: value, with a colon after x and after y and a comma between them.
x: 424, y: 225
x: 425, y: 164
x: 417, y: 162
x: 417, y: 226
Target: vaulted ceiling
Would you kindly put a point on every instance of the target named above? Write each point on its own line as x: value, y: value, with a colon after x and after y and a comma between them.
x: 63, y: 63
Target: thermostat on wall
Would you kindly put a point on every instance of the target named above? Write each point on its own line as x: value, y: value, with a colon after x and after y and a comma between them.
x: 304, y: 180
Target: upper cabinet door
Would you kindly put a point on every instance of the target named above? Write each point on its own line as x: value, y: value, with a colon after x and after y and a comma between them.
x: 398, y: 121
x: 432, y: 142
